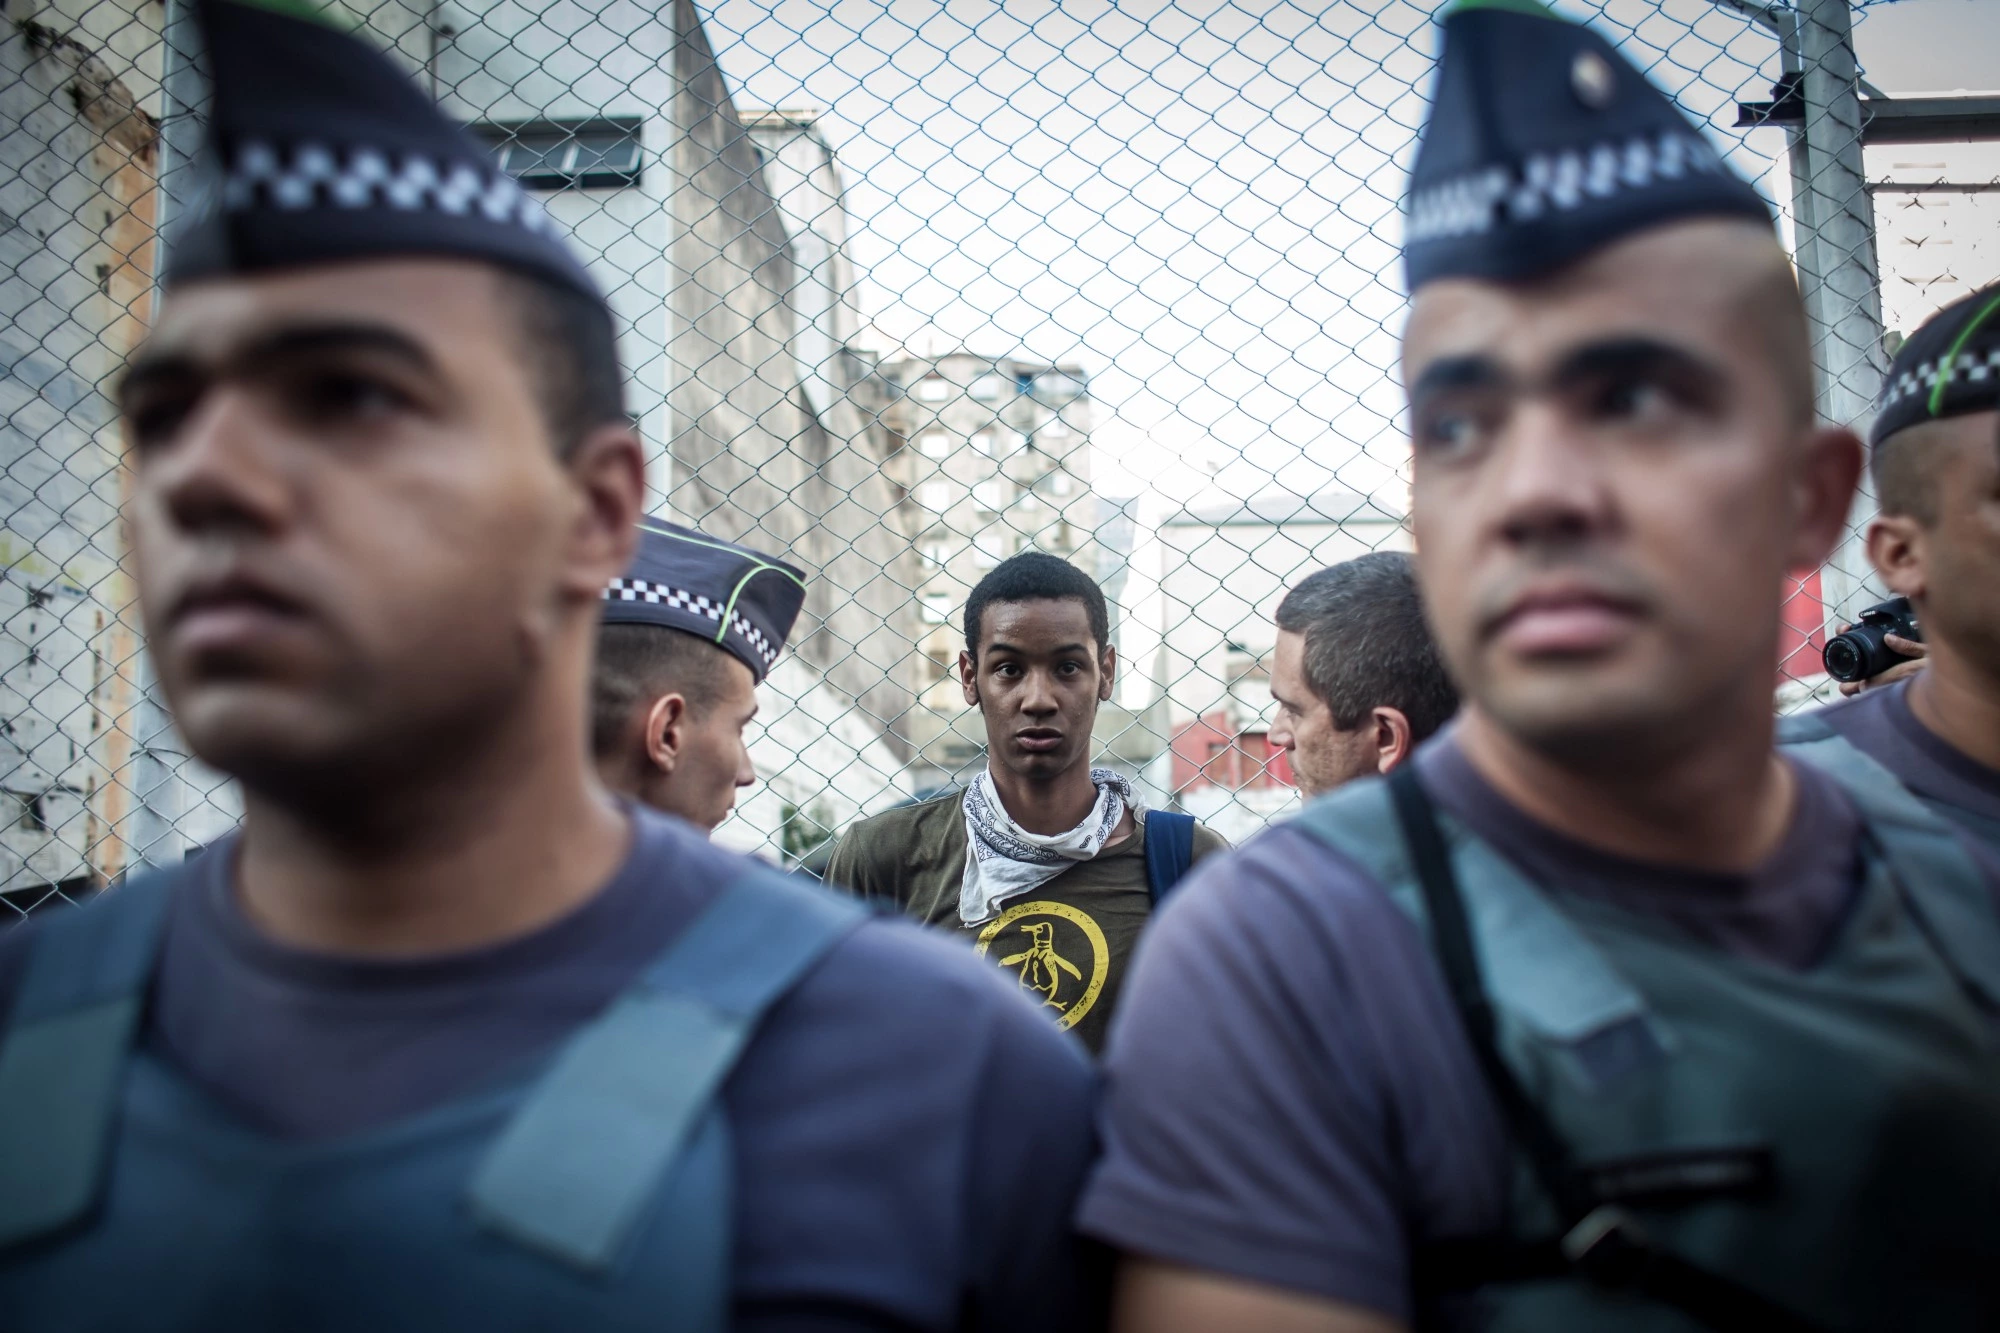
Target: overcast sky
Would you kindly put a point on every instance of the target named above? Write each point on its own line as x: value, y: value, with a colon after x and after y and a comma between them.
x: 1198, y: 200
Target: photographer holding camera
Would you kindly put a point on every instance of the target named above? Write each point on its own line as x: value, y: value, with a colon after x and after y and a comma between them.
x: 1934, y: 721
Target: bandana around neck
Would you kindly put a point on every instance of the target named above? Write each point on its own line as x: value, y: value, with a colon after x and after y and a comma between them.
x: 1004, y: 860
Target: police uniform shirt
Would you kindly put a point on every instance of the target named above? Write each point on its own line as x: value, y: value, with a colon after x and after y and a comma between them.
x: 1341, y: 1115
x: 1881, y: 725
x: 909, y: 1135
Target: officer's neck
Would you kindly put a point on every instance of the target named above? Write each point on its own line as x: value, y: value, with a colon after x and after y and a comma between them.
x: 1720, y: 802
x: 507, y: 837
x: 1958, y: 701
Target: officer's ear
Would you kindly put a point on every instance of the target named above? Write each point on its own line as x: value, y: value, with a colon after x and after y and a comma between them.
x: 666, y: 731
x: 1897, y: 549
x: 1393, y: 741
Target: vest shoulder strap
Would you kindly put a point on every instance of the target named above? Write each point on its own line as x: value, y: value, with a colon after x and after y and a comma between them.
x: 1939, y: 878
x: 1539, y: 967
x: 573, y: 1170
x: 64, y: 1050
x: 1169, y: 851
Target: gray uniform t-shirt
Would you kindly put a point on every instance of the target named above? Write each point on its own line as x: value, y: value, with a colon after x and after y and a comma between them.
x: 1292, y: 1100
x: 1881, y: 725
x: 909, y: 1133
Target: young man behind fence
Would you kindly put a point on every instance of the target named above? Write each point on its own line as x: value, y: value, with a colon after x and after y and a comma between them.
x: 1050, y: 867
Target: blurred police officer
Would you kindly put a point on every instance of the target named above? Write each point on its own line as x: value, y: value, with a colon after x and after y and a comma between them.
x: 1600, y: 1014
x: 690, y: 631
x: 1936, y: 541
x: 1356, y: 676
x: 445, y: 1038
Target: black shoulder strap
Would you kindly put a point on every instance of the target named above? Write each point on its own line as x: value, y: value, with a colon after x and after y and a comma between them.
x: 1601, y: 1241
x: 1169, y: 851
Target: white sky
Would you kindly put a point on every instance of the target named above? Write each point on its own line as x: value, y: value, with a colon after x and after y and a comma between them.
x: 1197, y: 200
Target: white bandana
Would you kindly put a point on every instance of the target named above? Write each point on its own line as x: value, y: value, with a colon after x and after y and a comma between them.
x: 1004, y: 860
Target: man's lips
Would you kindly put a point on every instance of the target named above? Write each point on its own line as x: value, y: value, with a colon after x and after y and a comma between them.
x: 1038, y: 740
x: 230, y: 612
x: 1564, y: 620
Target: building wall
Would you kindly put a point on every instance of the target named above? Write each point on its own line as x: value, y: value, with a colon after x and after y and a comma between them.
x: 76, y: 254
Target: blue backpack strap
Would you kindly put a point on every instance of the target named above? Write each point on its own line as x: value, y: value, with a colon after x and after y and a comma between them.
x: 1169, y: 851
x: 572, y: 1172
x: 1940, y: 879
x: 64, y: 1053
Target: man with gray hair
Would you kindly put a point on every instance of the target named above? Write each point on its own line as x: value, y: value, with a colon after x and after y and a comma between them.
x: 1358, y: 681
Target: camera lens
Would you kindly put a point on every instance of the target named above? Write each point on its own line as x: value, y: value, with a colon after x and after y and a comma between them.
x: 1845, y: 659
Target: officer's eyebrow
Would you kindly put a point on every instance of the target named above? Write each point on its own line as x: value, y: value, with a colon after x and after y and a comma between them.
x: 1636, y: 356
x: 1455, y: 373
x: 276, y: 345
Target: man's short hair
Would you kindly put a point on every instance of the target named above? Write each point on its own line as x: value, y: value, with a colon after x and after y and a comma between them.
x: 1904, y: 470
x: 638, y: 663
x: 1366, y: 643
x: 570, y: 348
x: 1034, y: 576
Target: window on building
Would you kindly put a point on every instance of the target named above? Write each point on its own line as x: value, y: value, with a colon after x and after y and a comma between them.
x: 982, y: 440
x: 990, y: 548
x: 990, y: 495
x: 936, y: 608
x: 1057, y: 386
x: 933, y: 389
x: 935, y: 444
x: 934, y: 554
x: 1054, y: 429
x: 935, y: 496
x: 1061, y: 483
x: 567, y: 154
x: 989, y: 388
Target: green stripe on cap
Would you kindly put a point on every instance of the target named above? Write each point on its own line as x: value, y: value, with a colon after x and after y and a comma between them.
x: 1517, y: 6
x: 1943, y: 380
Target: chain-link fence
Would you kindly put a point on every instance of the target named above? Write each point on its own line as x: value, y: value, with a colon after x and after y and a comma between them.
x: 907, y: 286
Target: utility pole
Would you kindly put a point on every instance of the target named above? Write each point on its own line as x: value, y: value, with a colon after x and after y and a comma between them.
x: 1843, y: 292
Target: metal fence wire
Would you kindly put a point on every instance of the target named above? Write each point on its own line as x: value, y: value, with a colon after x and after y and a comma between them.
x: 907, y: 286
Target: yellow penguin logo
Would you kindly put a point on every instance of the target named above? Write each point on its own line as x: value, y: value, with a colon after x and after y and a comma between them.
x: 1056, y: 934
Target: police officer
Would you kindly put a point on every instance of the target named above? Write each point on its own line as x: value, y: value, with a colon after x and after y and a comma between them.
x: 446, y: 1038
x: 690, y: 631
x: 1601, y: 1014
x: 1935, y: 461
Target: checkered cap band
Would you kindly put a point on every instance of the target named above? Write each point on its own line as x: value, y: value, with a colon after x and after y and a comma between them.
x: 312, y: 175
x: 1546, y: 183
x: 661, y: 594
x: 1967, y: 368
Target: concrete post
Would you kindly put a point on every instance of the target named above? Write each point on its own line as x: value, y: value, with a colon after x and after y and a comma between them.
x: 160, y: 789
x: 1836, y: 241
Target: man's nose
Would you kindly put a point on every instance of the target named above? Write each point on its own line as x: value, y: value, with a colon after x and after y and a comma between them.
x: 746, y: 768
x: 219, y: 474
x: 1550, y: 479
x: 1040, y: 695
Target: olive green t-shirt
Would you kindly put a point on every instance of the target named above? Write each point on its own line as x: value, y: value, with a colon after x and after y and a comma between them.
x: 1067, y: 941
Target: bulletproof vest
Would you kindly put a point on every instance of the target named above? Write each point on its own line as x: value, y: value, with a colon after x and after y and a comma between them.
x: 1704, y: 1140
x: 1808, y: 736
x: 592, y: 1190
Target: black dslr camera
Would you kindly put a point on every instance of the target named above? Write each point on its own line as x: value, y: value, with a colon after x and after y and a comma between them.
x: 1861, y: 652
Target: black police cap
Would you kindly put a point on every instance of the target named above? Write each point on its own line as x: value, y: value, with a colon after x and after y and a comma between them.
x: 741, y: 600
x: 1543, y: 145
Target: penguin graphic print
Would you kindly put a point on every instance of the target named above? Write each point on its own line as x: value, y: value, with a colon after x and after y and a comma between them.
x: 1056, y: 951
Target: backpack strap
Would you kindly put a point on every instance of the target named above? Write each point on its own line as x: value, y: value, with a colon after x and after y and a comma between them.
x: 64, y: 1053
x: 1945, y: 887
x: 1169, y: 851
x: 570, y: 1175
